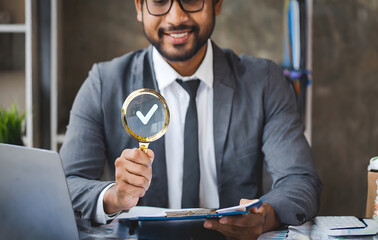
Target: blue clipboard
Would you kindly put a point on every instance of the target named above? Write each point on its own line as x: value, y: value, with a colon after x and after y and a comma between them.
x: 189, y: 215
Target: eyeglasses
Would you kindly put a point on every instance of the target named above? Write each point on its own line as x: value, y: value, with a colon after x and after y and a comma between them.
x: 162, y: 7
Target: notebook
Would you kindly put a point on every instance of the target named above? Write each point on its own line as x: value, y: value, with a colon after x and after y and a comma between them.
x: 34, y: 198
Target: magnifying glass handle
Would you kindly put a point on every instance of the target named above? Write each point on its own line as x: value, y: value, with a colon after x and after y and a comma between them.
x: 143, y: 146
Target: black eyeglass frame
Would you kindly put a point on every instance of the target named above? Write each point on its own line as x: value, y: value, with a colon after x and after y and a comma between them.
x: 169, y: 9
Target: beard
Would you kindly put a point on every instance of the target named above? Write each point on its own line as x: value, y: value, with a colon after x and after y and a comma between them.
x: 182, y: 54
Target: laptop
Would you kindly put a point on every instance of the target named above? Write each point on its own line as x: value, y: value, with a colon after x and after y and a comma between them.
x: 34, y: 198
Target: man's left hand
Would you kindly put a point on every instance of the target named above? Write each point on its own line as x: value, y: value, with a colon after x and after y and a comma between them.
x: 246, y: 226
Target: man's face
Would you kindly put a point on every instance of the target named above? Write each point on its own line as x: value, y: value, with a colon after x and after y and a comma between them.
x: 179, y: 35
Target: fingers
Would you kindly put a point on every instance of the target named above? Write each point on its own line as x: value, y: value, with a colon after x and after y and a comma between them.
x: 150, y: 154
x: 138, y: 156
x: 126, y: 190
x: 246, y: 226
x: 258, y: 210
x: 245, y: 201
x: 134, y: 167
x: 227, y: 230
x: 243, y: 226
x: 234, y: 231
x: 133, y: 173
x: 242, y: 220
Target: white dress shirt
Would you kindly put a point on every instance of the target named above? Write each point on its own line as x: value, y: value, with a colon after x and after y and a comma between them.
x: 178, y: 102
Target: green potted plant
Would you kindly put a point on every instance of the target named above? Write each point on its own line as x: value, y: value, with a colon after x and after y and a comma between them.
x: 11, y: 125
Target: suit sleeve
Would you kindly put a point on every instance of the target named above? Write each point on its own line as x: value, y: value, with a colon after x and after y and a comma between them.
x: 296, y: 187
x: 83, y: 150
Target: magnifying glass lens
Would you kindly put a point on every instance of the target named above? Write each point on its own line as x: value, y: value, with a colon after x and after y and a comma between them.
x: 145, y: 116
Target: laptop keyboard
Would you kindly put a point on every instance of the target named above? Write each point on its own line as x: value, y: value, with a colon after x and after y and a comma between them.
x: 338, y: 222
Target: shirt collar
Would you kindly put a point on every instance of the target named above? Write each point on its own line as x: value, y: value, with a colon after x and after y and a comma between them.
x: 165, y: 74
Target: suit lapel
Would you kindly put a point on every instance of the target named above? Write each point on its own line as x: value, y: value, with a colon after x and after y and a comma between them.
x: 149, y: 80
x: 157, y: 194
x: 142, y: 75
x: 224, y: 88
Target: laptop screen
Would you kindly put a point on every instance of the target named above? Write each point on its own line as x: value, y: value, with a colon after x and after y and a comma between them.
x: 34, y: 197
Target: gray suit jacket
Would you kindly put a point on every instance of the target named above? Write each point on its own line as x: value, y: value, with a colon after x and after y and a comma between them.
x: 255, y: 119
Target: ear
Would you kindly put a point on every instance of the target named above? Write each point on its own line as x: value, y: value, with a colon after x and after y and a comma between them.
x: 139, y: 9
x: 218, y: 6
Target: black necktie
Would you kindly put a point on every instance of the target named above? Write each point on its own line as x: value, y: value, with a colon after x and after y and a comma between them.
x: 191, y: 171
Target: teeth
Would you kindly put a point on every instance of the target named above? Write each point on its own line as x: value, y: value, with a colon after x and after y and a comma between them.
x: 178, y: 35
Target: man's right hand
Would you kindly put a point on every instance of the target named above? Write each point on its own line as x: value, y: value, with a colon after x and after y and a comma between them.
x: 133, y: 173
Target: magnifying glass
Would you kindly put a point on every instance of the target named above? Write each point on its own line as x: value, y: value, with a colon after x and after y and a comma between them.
x: 145, y: 116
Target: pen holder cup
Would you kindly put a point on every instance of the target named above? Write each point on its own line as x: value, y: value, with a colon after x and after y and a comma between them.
x: 372, y: 178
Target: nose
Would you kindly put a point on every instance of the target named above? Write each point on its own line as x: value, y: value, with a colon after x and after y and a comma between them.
x: 176, y: 15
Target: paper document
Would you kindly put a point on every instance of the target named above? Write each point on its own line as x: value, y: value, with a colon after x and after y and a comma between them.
x: 153, y: 213
x: 309, y: 230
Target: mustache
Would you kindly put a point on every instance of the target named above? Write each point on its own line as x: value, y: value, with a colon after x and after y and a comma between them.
x: 192, y: 28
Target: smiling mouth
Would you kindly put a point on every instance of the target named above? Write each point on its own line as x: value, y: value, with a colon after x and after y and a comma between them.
x: 178, y: 35
x: 177, y: 32
x: 178, y: 38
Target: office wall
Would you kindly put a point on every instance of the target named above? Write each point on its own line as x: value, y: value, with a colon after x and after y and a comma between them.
x: 345, y: 116
x: 345, y: 65
x: 92, y: 31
